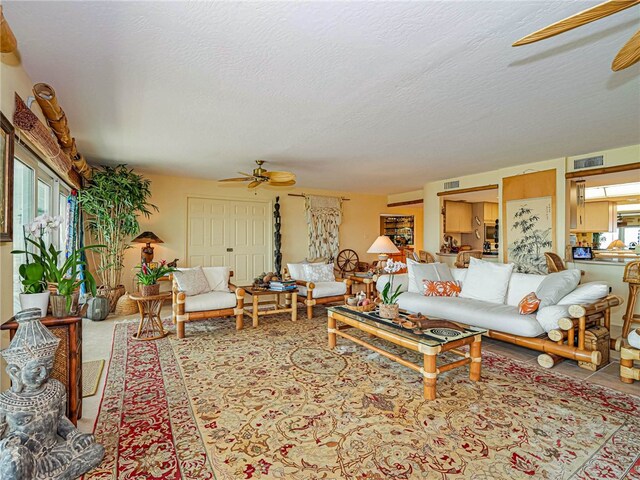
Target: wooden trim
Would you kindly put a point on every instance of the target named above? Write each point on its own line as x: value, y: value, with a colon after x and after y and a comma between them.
x: 6, y: 231
x: 602, y: 171
x: 303, y: 195
x: 493, y: 186
x: 408, y: 202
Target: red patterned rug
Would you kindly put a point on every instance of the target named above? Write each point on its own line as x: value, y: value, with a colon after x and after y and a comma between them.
x: 274, y: 402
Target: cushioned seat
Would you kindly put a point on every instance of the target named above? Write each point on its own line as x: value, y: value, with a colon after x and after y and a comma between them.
x: 210, y: 301
x: 492, y: 316
x: 325, y: 289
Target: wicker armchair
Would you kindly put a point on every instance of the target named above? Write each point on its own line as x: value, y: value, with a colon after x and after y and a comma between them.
x: 554, y: 262
x: 631, y: 276
x: 426, y: 257
x: 464, y: 258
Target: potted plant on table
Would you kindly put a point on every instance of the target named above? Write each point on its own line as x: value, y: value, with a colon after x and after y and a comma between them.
x: 69, y: 279
x: 113, y: 201
x: 389, y: 308
x: 34, y: 288
x: 148, y: 276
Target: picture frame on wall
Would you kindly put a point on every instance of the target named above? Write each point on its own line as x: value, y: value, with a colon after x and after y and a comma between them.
x: 7, y: 138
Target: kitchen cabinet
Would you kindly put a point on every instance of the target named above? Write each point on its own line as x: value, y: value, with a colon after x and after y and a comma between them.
x: 490, y: 212
x: 458, y: 217
x: 596, y: 217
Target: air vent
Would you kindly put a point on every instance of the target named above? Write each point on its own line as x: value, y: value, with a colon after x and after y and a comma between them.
x: 588, y: 162
x: 450, y: 185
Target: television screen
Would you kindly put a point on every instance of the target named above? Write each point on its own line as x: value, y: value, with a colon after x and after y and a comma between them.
x: 582, y: 253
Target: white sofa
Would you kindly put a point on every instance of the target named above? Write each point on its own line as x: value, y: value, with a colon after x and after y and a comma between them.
x: 541, y: 331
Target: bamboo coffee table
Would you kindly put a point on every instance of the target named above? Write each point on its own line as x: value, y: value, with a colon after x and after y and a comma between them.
x: 279, y: 306
x: 430, y: 343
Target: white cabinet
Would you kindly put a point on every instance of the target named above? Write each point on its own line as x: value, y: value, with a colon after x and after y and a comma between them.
x: 457, y: 217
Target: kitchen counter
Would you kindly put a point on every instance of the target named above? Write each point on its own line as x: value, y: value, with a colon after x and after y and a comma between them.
x: 484, y: 255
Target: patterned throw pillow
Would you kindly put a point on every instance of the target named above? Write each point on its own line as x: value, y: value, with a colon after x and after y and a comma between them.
x: 439, y: 288
x: 192, y: 281
x: 317, y: 272
x: 529, y: 304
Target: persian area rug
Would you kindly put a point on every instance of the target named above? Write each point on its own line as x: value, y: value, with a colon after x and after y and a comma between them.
x: 273, y: 402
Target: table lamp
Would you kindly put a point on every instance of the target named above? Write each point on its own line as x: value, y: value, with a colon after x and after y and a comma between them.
x: 146, y: 254
x: 383, y: 246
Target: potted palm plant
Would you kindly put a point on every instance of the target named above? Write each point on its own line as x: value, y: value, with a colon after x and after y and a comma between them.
x: 148, y: 276
x: 113, y: 201
x: 389, y: 308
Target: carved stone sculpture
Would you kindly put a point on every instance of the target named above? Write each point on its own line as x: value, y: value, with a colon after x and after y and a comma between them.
x: 37, y: 440
x: 277, y: 239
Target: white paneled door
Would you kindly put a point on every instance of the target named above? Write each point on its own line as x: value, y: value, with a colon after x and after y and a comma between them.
x: 232, y: 233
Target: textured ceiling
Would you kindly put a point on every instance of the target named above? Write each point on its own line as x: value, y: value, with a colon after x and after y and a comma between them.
x: 362, y: 96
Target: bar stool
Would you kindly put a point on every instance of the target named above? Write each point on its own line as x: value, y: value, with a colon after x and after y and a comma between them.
x: 632, y: 277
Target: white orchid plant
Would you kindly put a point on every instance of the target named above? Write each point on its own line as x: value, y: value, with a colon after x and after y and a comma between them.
x: 43, y: 224
x: 389, y: 295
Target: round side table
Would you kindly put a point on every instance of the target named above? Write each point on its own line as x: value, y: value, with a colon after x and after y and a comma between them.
x: 150, y: 327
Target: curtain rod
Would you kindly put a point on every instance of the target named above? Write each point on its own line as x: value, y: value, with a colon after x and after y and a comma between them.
x: 304, y: 195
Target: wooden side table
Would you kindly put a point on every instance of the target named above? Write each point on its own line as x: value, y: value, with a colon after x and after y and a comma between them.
x: 67, y: 363
x: 290, y: 305
x: 150, y: 326
x: 368, y: 282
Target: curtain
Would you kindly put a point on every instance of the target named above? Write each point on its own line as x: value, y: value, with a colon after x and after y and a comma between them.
x: 324, y: 216
x: 75, y: 239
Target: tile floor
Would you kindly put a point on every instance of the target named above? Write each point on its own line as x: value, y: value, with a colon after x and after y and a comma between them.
x: 97, y: 339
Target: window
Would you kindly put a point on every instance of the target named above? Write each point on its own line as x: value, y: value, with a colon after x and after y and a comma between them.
x: 36, y: 190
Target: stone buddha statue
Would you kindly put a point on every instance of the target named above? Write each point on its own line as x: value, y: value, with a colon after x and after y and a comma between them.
x: 37, y: 440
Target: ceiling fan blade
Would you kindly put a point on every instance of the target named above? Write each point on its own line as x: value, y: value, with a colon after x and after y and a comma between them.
x: 280, y: 176
x: 237, y: 179
x: 254, y: 184
x: 628, y: 55
x: 586, y: 16
x: 282, y: 184
x: 245, y: 174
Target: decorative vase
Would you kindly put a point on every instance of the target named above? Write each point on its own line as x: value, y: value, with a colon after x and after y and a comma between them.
x: 97, y: 308
x: 149, y: 290
x: 35, y: 300
x: 634, y: 338
x: 389, y: 310
x: 59, y: 306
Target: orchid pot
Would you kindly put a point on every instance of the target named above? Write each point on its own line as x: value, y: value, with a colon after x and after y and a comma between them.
x: 35, y: 300
x: 389, y: 308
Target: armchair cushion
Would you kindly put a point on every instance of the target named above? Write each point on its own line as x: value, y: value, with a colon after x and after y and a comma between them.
x: 218, y: 278
x: 192, y: 281
x: 318, y: 272
x: 209, y: 301
x: 325, y: 289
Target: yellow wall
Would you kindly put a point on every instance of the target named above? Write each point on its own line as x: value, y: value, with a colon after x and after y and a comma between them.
x: 360, y: 223
x: 610, y: 273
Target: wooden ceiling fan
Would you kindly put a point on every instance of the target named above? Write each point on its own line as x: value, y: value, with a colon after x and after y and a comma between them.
x: 260, y: 176
x: 628, y: 54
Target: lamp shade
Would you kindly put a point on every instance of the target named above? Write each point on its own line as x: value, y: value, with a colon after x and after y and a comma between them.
x: 383, y: 244
x: 616, y: 245
x: 147, y: 237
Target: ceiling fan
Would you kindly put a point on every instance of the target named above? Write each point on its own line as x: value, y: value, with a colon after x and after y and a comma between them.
x: 260, y: 176
x: 628, y: 54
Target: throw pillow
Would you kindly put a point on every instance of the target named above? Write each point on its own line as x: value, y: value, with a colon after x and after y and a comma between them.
x: 437, y: 288
x: 557, y: 285
x: 548, y: 317
x: 317, y: 272
x: 296, y: 270
x: 218, y: 278
x: 529, y: 304
x: 419, y: 272
x: 585, y: 294
x: 487, y: 281
x: 192, y: 281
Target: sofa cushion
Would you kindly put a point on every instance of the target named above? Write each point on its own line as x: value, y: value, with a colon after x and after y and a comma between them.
x: 548, y: 316
x: 585, y: 294
x: 317, y: 272
x: 325, y: 289
x: 437, y: 288
x: 192, y: 281
x: 478, y: 313
x: 557, y: 285
x: 418, y: 272
x: 487, y: 281
x: 521, y: 284
x: 209, y: 301
x: 218, y: 278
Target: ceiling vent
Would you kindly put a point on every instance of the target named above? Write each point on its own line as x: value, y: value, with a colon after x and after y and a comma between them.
x: 588, y: 162
x: 450, y: 185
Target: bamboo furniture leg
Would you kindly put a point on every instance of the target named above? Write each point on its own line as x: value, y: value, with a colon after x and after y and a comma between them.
x: 475, y: 350
x: 629, y: 317
x: 254, y: 313
x: 629, y: 374
x: 331, y: 329
x: 293, y: 304
x: 430, y: 376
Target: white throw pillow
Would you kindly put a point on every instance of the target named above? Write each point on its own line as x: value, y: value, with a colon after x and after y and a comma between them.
x: 316, y: 272
x: 192, y: 281
x: 585, y: 294
x: 218, y: 278
x: 556, y: 286
x: 548, y: 317
x: 418, y: 272
x: 487, y: 281
x: 296, y: 270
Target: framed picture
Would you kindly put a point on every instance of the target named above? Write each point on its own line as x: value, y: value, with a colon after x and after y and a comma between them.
x: 7, y: 138
x: 529, y: 234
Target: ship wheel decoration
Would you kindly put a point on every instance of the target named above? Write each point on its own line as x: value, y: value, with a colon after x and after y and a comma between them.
x: 347, y: 261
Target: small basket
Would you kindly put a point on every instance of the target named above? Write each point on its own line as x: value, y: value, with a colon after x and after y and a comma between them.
x: 150, y: 290
x: 126, y: 306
